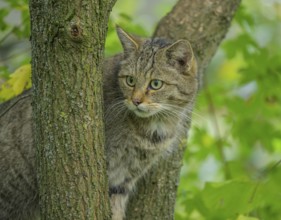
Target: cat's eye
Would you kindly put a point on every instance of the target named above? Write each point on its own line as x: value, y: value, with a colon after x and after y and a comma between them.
x: 156, y: 84
x: 131, y: 81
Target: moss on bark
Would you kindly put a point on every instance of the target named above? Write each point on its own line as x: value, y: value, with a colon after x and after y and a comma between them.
x: 67, y: 53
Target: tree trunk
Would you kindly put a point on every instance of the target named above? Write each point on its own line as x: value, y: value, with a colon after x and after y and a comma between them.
x: 204, y: 23
x: 67, y: 53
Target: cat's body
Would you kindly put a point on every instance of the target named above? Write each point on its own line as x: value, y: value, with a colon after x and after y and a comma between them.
x: 149, y: 93
x: 18, y: 187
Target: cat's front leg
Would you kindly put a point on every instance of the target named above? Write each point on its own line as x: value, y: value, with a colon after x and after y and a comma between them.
x: 118, y: 202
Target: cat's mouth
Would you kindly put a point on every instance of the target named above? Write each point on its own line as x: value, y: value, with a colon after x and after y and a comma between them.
x: 143, y: 111
x: 140, y: 110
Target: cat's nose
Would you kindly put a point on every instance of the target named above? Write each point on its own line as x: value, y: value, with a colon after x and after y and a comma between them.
x: 136, y: 101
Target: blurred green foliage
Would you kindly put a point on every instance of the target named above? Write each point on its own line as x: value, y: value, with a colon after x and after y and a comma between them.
x: 232, y: 163
x: 22, y: 29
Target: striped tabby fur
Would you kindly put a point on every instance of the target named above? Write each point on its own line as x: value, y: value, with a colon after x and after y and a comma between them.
x: 149, y: 93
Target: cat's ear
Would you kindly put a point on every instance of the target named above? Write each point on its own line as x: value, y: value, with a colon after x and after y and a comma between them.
x: 130, y: 43
x: 180, y: 55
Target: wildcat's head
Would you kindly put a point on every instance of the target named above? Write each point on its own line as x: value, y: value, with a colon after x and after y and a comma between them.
x: 157, y: 76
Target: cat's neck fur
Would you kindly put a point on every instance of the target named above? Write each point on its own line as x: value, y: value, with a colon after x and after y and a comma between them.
x: 135, y: 136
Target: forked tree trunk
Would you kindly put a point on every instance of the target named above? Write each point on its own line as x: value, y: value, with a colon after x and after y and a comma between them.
x: 67, y: 53
x: 204, y: 23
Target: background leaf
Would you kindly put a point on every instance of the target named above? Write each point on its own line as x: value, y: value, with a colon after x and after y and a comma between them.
x: 17, y: 83
x: 231, y: 166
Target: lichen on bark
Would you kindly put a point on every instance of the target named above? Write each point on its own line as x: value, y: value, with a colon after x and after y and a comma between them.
x: 67, y: 52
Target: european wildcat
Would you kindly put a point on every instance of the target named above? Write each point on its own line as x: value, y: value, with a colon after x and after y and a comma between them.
x: 149, y: 92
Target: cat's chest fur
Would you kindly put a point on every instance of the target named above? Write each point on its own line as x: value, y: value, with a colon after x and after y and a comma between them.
x: 135, y: 147
x: 149, y: 92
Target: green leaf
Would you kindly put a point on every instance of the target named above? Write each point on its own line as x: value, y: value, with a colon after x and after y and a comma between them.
x: 244, y: 18
x: 243, y: 217
x: 224, y: 200
x: 18, y: 81
x: 3, y: 13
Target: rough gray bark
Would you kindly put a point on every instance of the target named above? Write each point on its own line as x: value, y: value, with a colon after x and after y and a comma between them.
x: 67, y: 54
x: 67, y: 46
x: 204, y: 23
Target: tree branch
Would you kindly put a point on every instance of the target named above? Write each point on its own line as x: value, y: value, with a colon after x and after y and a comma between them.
x: 204, y: 23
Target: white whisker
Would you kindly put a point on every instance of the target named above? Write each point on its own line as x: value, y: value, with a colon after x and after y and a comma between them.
x: 177, y: 112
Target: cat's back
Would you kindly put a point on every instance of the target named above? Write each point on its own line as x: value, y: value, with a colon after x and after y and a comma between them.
x: 18, y: 193
x: 111, y: 68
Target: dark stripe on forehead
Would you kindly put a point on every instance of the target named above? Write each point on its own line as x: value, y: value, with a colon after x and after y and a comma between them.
x: 149, y: 69
x: 150, y: 72
x: 146, y: 60
x: 159, y: 42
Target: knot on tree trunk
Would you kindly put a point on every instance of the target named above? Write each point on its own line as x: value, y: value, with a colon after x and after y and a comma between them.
x: 75, y: 31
